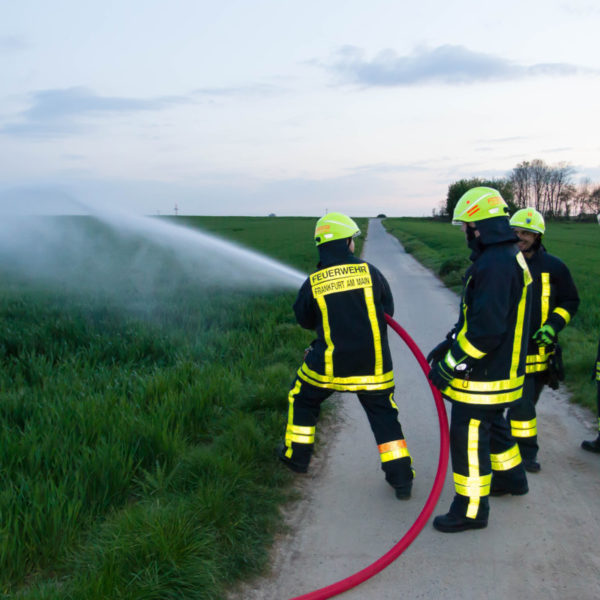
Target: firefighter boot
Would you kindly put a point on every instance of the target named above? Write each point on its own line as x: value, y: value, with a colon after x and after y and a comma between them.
x: 451, y: 523
x: 592, y: 445
x: 296, y: 467
x: 531, y: 465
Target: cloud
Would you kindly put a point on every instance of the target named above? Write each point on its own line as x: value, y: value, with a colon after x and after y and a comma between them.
x: 11, y: 43
x: 447, y: 64
x: 59, y: 112
x: 254, y: 89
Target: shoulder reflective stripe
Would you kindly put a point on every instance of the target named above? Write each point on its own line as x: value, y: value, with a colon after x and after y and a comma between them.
x: 327, y: 333
x: 340, y: 278
x: 487, y: 386
x: 518, y: 339
x: 563, y: 313
x: 523, y: 429
x: 545, y: 299
x: 467, y: 347
x: 349, y: 384
x: 372, y: 312
x: 506, y: 460
x: 484, y: 399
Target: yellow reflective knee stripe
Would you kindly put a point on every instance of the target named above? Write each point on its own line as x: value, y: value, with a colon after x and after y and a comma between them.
x: 348, y: 384
x: 523, y: 429
x: 300, y: 434
x: 506, y: 460
x: 327, y: 334
x: 563, y: 313
x: 472, y: 486
x: 372, y: 312
x: 598, y: 371
x: 393, y: 450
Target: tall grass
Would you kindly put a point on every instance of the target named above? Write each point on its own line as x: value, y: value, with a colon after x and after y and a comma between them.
x: 441, y: 247
x: 137, y: 448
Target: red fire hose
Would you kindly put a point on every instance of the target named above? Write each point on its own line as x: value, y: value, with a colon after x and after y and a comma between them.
x: 361, y: 576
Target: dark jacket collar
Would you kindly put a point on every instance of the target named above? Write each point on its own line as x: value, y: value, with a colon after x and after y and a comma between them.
x: 334, y: 253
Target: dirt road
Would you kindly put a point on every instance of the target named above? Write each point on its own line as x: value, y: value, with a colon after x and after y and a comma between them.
x: 544, y: 545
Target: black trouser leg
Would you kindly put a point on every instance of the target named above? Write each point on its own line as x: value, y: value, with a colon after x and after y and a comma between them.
x: 304, y: 406
x: 507, y: 467
x: 470, y: 453
x: 382, y: 413
x: 522, y: 416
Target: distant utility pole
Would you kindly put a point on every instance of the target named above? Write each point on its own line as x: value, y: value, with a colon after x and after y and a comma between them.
x: 176, y: 209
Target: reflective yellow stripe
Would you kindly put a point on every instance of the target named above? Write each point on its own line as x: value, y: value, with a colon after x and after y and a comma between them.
x: 506, y: 460
x: 517, y: 343
x: 327, y: 333
x: 537, y: 362
x: 466, y: 346
x: 529, y: 369
x: 487, y: 386
x: 563, y: 313
x: 524, y: 429
x: 375, y: 329
x: 472, y: 486
x: 291, y: 397
x: 473, y: 458
x: 486, y: 399
x: 393, y: 450
x: 598, y: 371
x: 542, y: 357
x: 461, y: 338
x: 545, y: 299
x: 355, y: 379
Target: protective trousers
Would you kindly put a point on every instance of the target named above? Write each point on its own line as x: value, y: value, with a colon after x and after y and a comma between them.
x: 481, y: 447
x: 304, y: 405
x: 522, y: 416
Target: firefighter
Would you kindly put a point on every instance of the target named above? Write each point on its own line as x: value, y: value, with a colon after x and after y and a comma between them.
x: 594, y: 445
x: 480, y: 366
x: 345, y: 300
x: 554, y: 303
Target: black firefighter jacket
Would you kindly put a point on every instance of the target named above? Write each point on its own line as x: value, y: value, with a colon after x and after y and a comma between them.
x: 344, y: 301
x: 554, y: 301
x: 493, y: 326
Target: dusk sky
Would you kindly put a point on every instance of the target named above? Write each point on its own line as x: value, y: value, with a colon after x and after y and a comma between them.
x: 294, y: 108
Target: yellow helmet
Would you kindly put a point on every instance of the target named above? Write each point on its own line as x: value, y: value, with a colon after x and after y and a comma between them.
x: 335, y: 226
x: 479, y: 203
x: 529, y: 218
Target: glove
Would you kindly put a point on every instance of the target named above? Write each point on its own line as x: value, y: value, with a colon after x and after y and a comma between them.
x: 545, y: 335
x: 439, y: 351
x: 454, y: 363
x: 440, y: 375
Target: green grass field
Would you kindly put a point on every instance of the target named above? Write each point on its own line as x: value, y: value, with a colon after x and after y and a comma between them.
x: 137, y: 445
x: 441, y: 247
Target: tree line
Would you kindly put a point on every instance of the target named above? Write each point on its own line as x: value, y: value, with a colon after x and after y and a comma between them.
x: 547, y: 188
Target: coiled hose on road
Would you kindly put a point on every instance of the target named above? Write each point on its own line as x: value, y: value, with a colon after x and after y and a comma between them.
x: 389, y: 557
